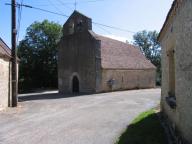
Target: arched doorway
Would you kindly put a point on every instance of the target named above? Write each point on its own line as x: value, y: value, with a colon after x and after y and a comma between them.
x: 75, y: 84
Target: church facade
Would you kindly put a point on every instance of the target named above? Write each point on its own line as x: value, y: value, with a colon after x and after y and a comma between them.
x: 176, y: 97
x: 89, y: 63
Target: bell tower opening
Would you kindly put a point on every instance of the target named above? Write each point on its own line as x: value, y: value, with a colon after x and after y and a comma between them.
x: 71, y: 27
x: 75, y: 85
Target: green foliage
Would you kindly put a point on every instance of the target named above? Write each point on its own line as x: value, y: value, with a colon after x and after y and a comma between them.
x: 38, y: 55
x: 148, y: 44
x: 145, y: 129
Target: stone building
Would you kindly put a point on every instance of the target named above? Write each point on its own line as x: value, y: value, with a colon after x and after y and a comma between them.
x: 88, y: 62
x: 5, y: 73
x: 176, y: 41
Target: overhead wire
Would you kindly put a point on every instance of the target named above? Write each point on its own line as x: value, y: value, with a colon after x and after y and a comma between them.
x: 75, y: 4
x: 90, y: 1
x: 44, y: 10
x: 63, y: 4
x: 103, y: 29
x: 71, y: 3
x: 113, y: 27
x: 19, y: 19
x: 60, y: 14
x: 53, y: 5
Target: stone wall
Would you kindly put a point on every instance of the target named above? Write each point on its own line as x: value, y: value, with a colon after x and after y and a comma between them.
x: 178, y: 39
x: 76, y: 57
x: 4, y: 82
x: 127, y: 79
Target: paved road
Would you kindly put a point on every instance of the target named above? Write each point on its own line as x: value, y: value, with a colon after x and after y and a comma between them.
x: 48, y: 118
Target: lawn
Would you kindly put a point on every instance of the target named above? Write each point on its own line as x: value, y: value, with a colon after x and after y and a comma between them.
x: 145, y: 129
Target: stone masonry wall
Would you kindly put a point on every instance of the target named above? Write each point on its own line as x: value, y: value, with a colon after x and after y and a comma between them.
x: 179, y: 39
x: 127, y: 79
x: 77, y: 58
x: 4, y: 82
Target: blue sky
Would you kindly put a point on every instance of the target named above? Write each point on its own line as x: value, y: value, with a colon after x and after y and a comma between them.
x: 133, y: 15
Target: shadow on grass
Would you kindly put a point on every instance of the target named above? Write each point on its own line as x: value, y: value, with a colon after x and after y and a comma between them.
x: 145, y: 129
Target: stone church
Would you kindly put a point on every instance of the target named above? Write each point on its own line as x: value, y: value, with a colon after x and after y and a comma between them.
x: 5, y: 73
x: 176, y: 97
x: 89, y: 63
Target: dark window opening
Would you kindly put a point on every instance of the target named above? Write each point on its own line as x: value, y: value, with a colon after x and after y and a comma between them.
x: 80, y: 25
x: 75, y: 85
x: 171, y: 99
x: 71, y: 27
x: 172, y: 73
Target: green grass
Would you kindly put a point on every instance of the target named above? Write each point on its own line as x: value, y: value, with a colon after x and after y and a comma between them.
x: 145, y: 129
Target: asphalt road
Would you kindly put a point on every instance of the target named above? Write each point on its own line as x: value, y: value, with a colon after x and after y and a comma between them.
x: 48, y: 118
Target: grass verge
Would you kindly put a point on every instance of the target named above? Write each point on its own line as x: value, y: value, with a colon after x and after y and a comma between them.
x: 145, y: 129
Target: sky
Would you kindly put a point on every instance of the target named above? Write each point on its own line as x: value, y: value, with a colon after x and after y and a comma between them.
x: 131, y: 15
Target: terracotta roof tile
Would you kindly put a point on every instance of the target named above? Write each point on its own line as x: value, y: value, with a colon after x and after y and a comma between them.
x: 119, y: 55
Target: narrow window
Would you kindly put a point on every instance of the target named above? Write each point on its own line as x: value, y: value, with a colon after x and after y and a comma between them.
x: 171, y: 73
x: 71, y: 27
x: 171, y: 99
x: 79, y: 25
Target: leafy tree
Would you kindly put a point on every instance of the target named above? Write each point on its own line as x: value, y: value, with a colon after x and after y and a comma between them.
x: 38, y: 56
x: 148, y: 44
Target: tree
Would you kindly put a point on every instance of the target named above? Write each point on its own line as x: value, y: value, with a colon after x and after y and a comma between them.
x: 150, y: 47
x: 38, y: 56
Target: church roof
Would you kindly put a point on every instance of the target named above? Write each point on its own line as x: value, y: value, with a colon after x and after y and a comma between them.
x: 119, y: 55
x: 5, y: 51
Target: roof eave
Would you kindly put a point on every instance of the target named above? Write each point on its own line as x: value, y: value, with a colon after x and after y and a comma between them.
x: 169, y: 18
x: 4, y: 56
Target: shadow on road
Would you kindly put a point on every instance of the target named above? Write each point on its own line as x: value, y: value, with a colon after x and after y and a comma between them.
x: 44, y: 96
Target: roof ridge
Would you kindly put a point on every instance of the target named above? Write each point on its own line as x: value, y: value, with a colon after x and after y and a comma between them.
x: 174, y: 7
x: 4, y: 42
x: 7, y: 49
x: 114, y: 40
x: 76, y: 11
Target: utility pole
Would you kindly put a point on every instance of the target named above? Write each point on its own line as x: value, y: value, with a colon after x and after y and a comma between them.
x: 14, y: 54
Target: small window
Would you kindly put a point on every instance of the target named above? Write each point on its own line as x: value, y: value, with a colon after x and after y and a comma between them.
x: 71, y: 27
x: 79, y: 25
x: 171, y: 99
